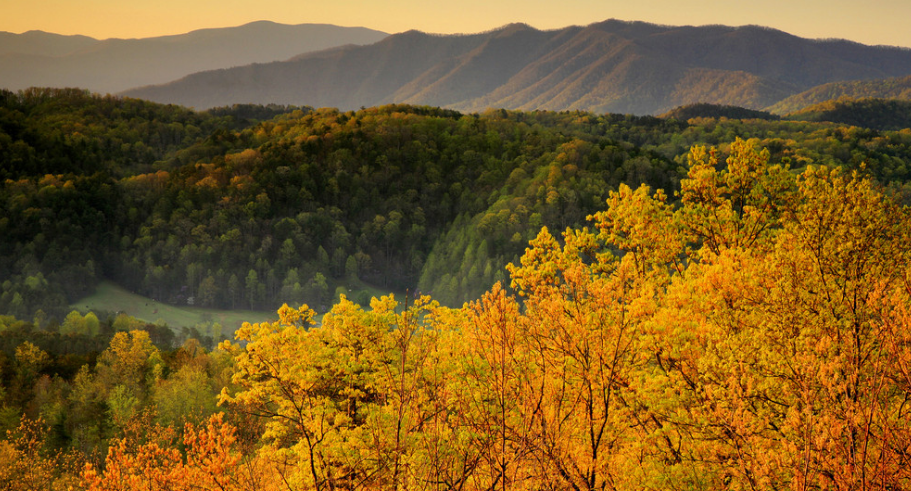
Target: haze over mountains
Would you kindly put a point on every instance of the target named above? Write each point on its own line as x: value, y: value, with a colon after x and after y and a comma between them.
x: 612, y: 66
x: 42, y: 59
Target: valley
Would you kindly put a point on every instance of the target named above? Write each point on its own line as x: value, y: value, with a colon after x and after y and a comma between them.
x: 614, y: 256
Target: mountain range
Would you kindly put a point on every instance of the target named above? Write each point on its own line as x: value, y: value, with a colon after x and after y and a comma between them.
x: 611, y: 66
x: 43, y: 59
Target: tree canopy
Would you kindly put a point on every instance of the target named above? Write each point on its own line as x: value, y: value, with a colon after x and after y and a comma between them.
x: 749, y: 331
x: 249, y: 206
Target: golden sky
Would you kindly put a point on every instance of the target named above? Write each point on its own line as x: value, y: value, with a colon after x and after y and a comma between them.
x: 874, y: 22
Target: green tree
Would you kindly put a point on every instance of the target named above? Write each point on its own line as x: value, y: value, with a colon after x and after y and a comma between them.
x: 185, y: 397
x: 351, y: 268
x: 253, y: 289
x: 319, y: 288
x: 74, y: 323
x: 92, y: 324
x: 208, y: 292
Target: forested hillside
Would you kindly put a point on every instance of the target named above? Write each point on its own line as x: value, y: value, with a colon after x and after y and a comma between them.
x: 250, y: 207
x: 751, y: 332
x: 880, y: 114
x: 889, y: 88
x: 716, y: 111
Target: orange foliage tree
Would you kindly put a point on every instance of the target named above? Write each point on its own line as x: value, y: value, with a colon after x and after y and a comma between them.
x: 149, y: 459
x: 27, y: 465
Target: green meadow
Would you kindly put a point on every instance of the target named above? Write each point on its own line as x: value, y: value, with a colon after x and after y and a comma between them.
x: 109, y: 297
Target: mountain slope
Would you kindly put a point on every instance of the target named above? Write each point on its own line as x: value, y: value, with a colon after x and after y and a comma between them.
x: 890, y: 88
x: 615, y: 66
x: 880, y: 114
x: 114, y: 65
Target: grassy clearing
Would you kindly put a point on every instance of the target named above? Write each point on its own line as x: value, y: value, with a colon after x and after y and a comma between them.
x: 110, y: 297
x: 113, y: 298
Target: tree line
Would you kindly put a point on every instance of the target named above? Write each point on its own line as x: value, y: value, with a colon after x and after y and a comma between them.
x: 250, y: 206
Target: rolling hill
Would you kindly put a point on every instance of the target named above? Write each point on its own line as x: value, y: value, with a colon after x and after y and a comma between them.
x: 612, y: 66
x: 702, y: 110
x: 890, y: 88
x: 879, y: 114
x: 113, y: 65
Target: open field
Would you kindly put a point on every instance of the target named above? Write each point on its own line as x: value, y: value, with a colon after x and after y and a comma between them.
x: 110, y: 297
x: 113, y: 298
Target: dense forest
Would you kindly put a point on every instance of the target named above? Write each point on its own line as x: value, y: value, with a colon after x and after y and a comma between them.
x: 251, y: 206
x: 716, y: 111
x: 881, y: 114
x: 749, y: 331
x: 897, y: 88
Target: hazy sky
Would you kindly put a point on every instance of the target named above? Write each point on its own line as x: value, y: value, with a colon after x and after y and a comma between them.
x: 870, y: 22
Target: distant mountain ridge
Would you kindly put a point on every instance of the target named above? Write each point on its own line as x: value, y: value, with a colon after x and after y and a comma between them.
x: 40, y: 43
x: 611, y: 66
x: 113, y: 65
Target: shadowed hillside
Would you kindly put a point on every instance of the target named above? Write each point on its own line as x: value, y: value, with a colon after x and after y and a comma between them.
x: 891, y: 88
x: 880, y: 114
x: 612, y: 66
x: 684, y: 113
